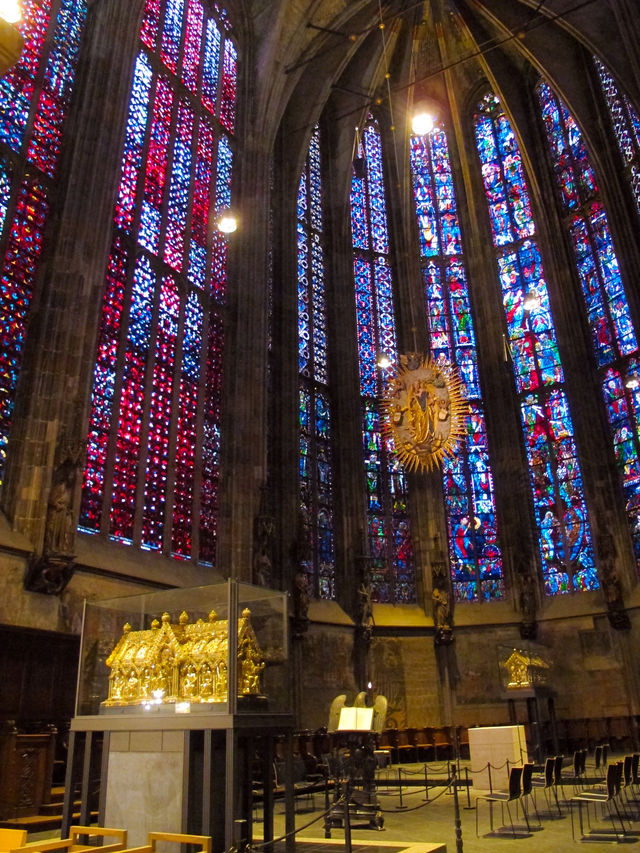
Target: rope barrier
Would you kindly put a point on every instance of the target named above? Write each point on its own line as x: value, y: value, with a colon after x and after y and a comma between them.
x: 322, y: 816
x: 411, y: 772
x: 423, y: 804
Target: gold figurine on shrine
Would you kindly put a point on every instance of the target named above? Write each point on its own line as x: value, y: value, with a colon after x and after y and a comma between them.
x: 187, y: 662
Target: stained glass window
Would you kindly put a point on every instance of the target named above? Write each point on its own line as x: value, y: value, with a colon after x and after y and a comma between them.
x: 34, y: 101
x: 389, y: 539
x: 316, y: 470
x: 613, y: 337
x: 153, y: 446
x: 564, y: 536
x: 626, y: 125
x: 474, y: 552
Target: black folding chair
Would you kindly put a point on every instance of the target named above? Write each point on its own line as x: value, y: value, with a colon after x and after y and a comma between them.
x: 545, y: 781
x: 504, y: 798
x: 607, y: 798
x: 527, y: 794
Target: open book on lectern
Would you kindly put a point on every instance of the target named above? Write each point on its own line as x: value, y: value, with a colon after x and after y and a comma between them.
x: 355, y: 719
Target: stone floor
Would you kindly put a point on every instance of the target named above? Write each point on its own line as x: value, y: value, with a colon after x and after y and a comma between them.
x: 433, y: 821
x: 429, y: 822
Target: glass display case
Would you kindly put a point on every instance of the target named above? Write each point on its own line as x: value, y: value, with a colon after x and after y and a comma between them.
x: 212, y: 649
x: 522, y: 668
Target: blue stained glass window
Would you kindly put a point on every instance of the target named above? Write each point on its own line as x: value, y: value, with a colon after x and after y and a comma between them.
x: 613, y: 337
x: 388, y: 533
x: 34, y: 100
x: 315, y: 471
x: 160, y: 342
x: 474, y: 552
x: 564, y: 536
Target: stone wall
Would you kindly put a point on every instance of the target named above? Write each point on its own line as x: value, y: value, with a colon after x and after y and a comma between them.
x: 591, y: 672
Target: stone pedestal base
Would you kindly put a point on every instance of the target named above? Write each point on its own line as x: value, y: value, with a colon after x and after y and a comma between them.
x: 145, y: 780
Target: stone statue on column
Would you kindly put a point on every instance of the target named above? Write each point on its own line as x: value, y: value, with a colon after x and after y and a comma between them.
x: 264, y: 528
x: 50, y: 572
x: 610, y: 582
x: 528, y: 600
x: 441, y: 597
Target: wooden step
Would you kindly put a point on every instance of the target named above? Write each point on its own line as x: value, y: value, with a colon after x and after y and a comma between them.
x: 41, y: 823
x: 47, y: 809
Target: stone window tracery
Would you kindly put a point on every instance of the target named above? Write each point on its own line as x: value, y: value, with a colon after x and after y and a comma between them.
x: 34, y: 100
x: 564, y: 536
x: 153, y: 445
x: 474, y: 552
x: 315, y: 425
x: 613, y: 337
x: 389, y: 538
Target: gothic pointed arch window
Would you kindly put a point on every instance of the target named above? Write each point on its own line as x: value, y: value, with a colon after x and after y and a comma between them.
x: 153, y: 445
x: 389, y: 540
x: 474, y: 553
x: 564, y: 535
x: 626, y: 126
x: 613, y: 337
x: 315, y: 424
x: 34, y: 102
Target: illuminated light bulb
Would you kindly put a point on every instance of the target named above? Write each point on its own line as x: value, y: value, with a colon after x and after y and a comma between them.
x: 531, y: 300
x: 423, y: 123
x: 384, y: 361
x: 10, y: 11
x: 227, y: 223
x: 632, y: 381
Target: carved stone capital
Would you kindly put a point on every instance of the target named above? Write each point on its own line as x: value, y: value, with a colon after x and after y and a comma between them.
x: 528, y: 630
x: 443, y: 636
x: 618, y: 617
x: 49, y: 574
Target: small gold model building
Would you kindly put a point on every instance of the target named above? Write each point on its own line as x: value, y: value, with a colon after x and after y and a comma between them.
x: 525, y: 670
x: 186, y: 662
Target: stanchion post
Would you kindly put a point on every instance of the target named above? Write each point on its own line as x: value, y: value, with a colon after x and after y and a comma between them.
x: 347, y: 819
x: 489, y: 773
x: 426, y: 783
x: 456, y: 810
x: 401, y: 805
x: 327, y: 812
x: 466, y: 775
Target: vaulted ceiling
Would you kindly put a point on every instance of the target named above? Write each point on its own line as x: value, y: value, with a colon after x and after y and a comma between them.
x: 345, y: 56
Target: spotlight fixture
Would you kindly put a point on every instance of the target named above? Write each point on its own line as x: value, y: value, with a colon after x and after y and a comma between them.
x: 423, y: 123
x: 10, y: 11
x: 227, y: 222
x: 384, y: 361
x: 11, y: 40
x: 531, y: 301
x: 426, y: 114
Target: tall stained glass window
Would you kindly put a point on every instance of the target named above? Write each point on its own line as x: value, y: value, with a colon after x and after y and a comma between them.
x: 474, y: 553
x: 391, y: 571
x: 613, y: 336
x: 316, y: 471
x: 564, y: 535
x: 153, y: 445
x: 34, y: 101
x: 626, y: 125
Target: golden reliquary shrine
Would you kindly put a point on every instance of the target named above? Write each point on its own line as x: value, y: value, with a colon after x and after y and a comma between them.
x: 525, y: 670
x: 187, y: 662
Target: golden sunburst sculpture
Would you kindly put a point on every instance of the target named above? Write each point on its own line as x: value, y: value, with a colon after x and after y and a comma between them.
x: 424, y: 411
